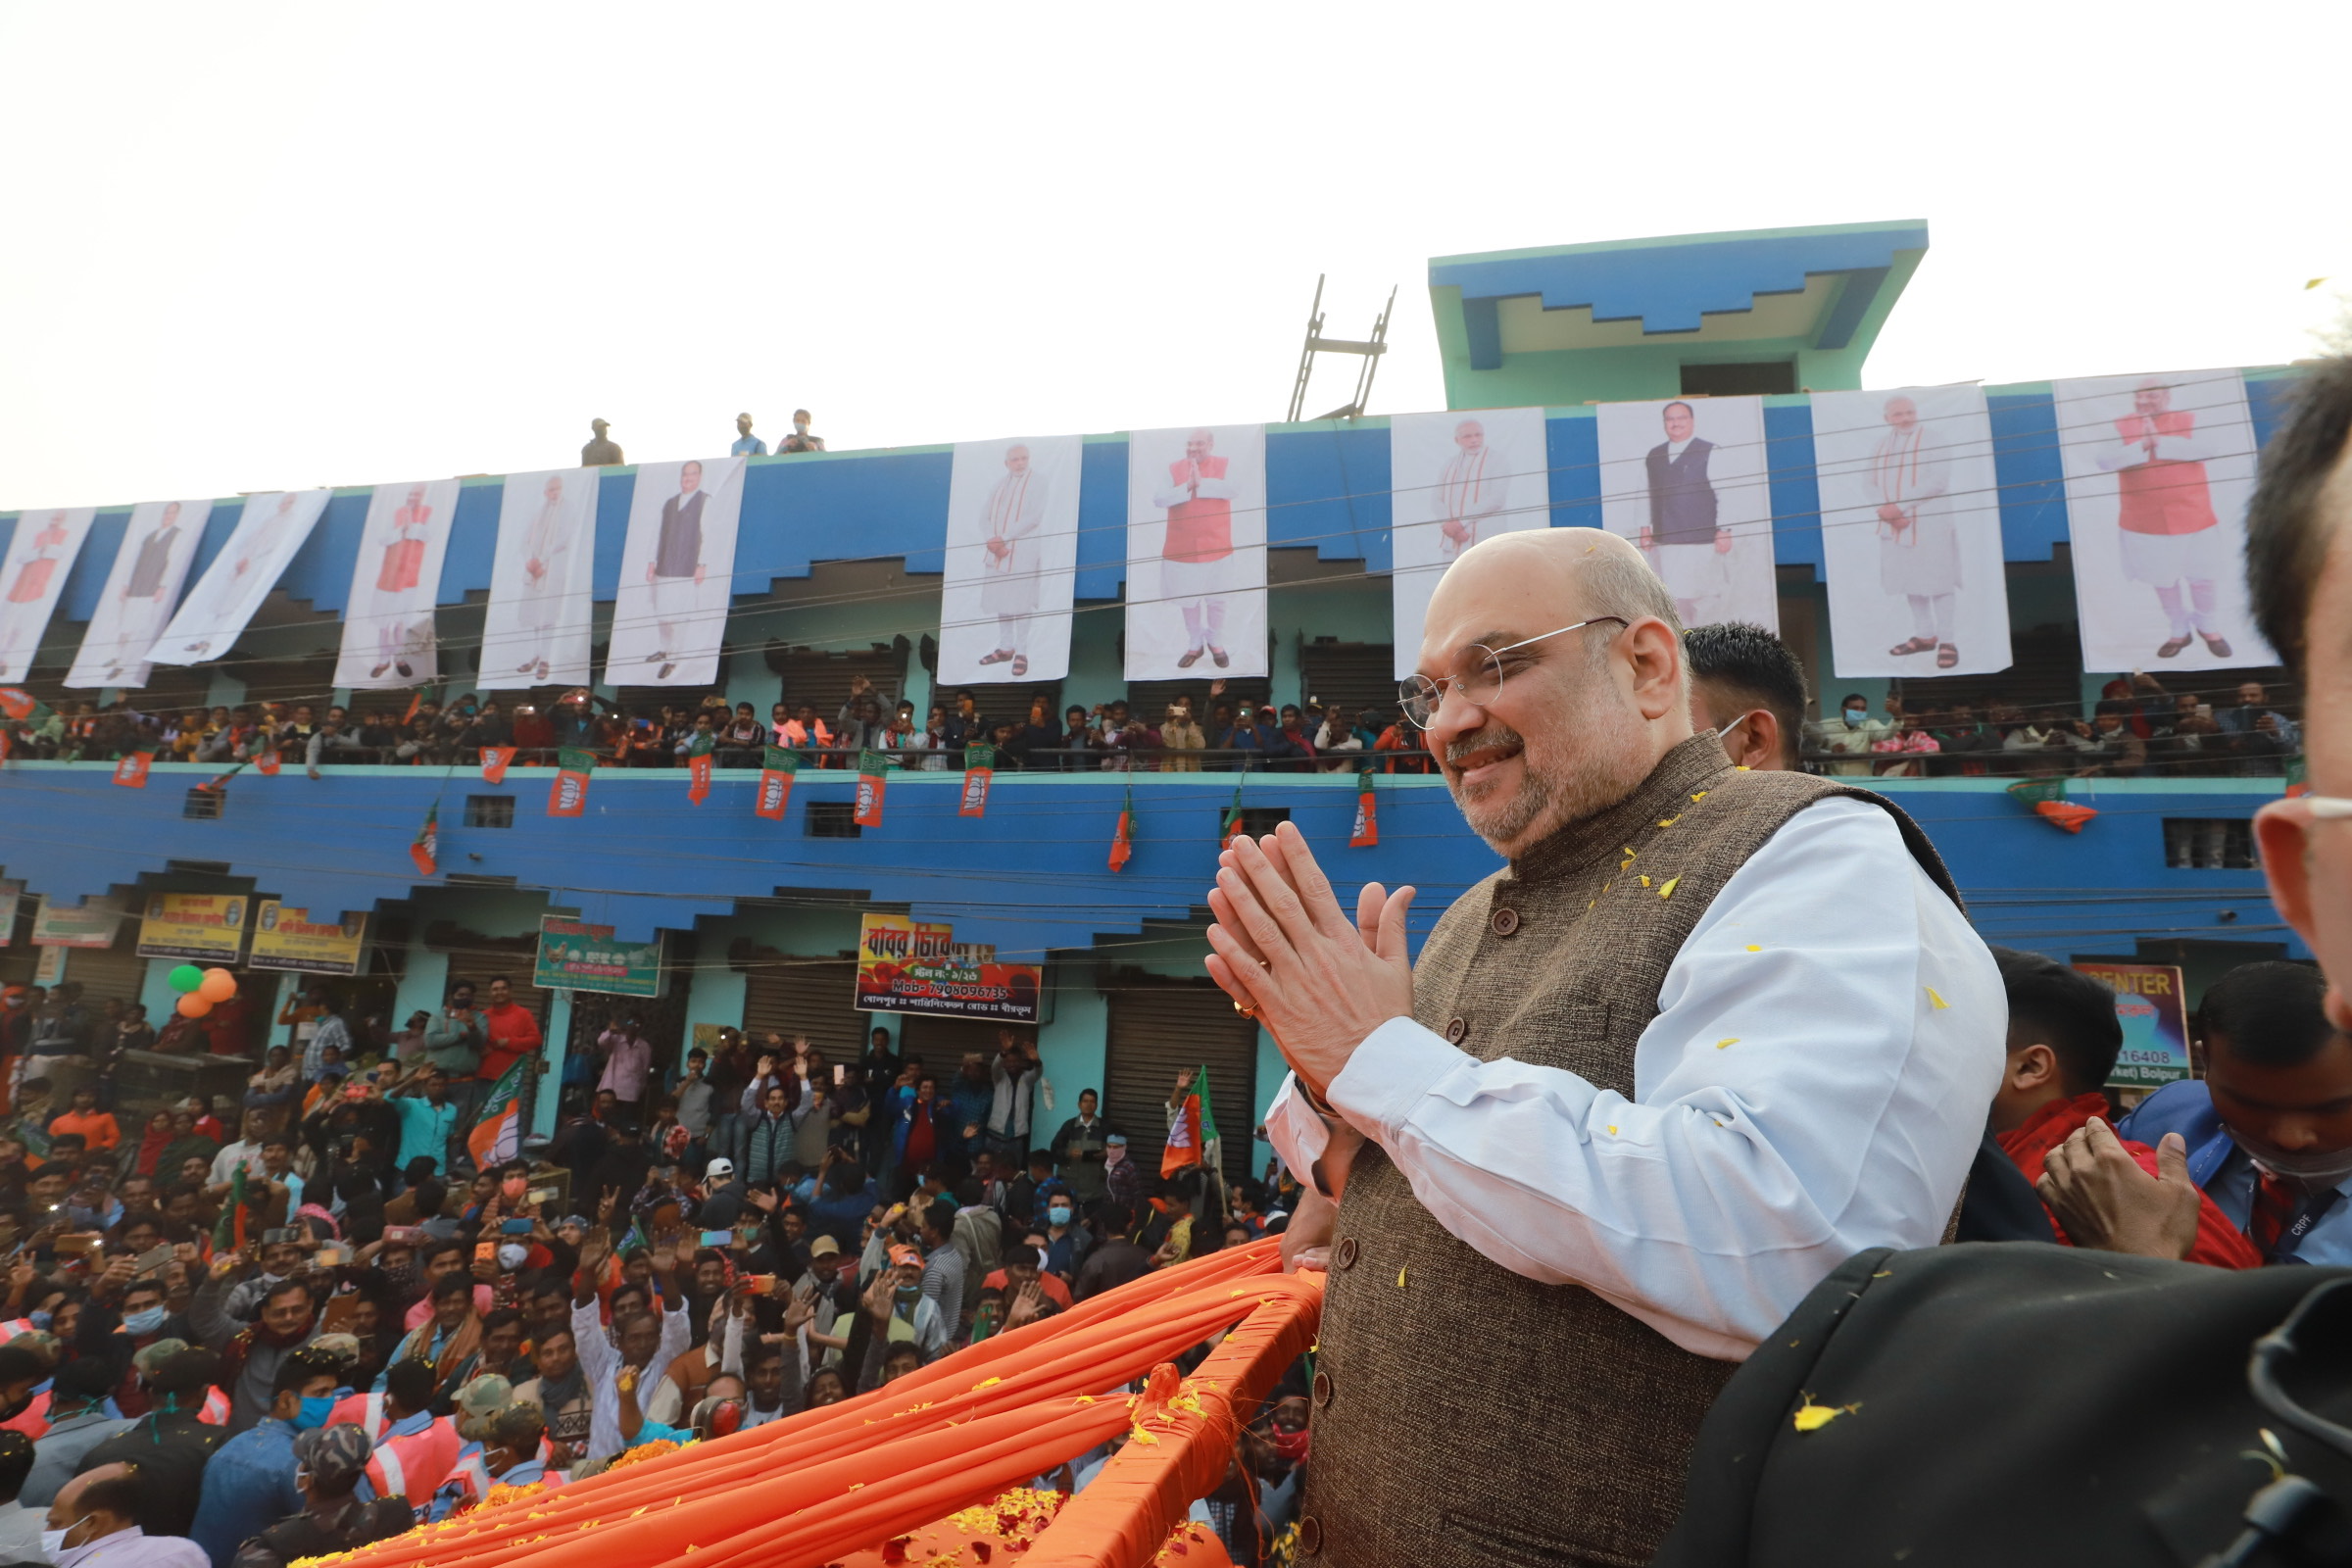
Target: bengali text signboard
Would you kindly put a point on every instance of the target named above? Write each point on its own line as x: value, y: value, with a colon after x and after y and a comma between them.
x: 574, y: 956
x: 908, y: 965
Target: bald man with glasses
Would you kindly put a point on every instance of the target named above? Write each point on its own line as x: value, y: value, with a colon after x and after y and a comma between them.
x: 1709, y: 1034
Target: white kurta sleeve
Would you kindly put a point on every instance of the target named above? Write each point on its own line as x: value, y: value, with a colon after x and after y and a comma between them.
x: 1815, y: 1083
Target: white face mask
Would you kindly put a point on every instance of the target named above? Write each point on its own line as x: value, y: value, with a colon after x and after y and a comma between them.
x: 1856, y: 715
x: 2315, y: 1172
x: 53, y: 1542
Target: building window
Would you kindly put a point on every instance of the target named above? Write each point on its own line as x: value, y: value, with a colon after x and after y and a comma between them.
x: 833, y: 820
x: 2209, y: 843
x: 489, y: 810
x: 202, y: 804
x: 1738, y: 380
x: 1257, y: 820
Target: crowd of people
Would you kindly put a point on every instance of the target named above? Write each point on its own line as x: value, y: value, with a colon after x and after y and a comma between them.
x: 311, y: 1320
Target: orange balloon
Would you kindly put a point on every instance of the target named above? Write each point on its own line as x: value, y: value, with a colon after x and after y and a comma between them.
x: 194, y: 1005
x: 218, y: 986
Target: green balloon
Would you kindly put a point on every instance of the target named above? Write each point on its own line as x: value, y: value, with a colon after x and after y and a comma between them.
x: 185, y: 977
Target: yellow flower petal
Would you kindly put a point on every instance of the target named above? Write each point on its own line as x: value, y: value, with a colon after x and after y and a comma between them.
x: 1629, y: 852
x: 1811, y: 1417
x: 1727, y: 1040
x: 986, y: 1383
x: 1756, y: 947
x: 1669, y: 821
x: 1936, y: 1001
x: 1667, y: 892
x: 1400, y: 1273
x: 1645, y: 881
x: 1701, y: 796
x: 1612, y: 1132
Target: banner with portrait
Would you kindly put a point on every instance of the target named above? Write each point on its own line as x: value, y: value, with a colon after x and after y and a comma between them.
x: 1911, y: 532
x: 1011, y: 561
x: 217, y: 610
x: 536, y: 629
x: 205, y: 927
x: 41, y: 553
x: 158, y: 545
x: 285, y: 937
x: 388, y: 638
x: 1457, y: 478
x: 1197, y: 552
x: 677, y: 572
x: 1686, y: 480
x: 2158, y: 472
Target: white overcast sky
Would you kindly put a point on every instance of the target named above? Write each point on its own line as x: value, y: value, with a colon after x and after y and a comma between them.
x: 267, y: 246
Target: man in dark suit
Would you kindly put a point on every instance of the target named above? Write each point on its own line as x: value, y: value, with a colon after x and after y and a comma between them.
x: 675, y: 572
x: 1681, y: 539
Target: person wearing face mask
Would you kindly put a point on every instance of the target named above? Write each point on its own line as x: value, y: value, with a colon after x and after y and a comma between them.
x: 249, y: 1485
x: 801, y: 440
x: 418, y: 1449
x: 507, y: 1455
x: 1853, y: 732
x: 2266, y: 1134
x: 1066, y: 1241
x: 1747, y: 686
x: 94, y: 1523
x: 77, y: 1422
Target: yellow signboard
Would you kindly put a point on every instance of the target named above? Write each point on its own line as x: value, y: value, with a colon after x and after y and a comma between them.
x: 287, y: 938
x: 206, y: 927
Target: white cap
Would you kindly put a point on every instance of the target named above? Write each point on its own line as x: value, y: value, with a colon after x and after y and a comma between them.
x: 718, y: 1167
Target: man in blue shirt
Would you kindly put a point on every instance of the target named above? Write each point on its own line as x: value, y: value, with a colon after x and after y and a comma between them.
x: 747, y: 445
x: 248, y: 1483
x: 429, y: 1119
x: 2267, y: 1133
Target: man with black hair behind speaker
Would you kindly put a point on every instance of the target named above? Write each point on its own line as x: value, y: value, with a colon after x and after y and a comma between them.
x: 2267, y: 1133
x: 2063, y: 1041
x: 1748, y: 687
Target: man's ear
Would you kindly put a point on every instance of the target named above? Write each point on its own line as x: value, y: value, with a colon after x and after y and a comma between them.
x: 1656, y: 656
x: 2282, y: 831
x: 2034, y: 1066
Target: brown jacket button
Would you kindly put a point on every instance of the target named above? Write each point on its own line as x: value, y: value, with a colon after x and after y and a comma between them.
x: 1457, y: 1029
x: 1507, y: 921
x: 1322, y: 1387
x: 1346, y: 1256
x: 1310, y: 1535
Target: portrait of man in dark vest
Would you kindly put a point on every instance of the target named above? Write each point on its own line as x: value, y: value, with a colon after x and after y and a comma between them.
x: 1682, y: 538
x: 1708, y: 1034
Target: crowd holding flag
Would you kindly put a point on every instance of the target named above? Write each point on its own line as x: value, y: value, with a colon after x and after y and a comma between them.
x: 1193, y: 1135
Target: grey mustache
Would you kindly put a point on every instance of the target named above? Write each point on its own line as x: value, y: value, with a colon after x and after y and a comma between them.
x: 1491, y: 735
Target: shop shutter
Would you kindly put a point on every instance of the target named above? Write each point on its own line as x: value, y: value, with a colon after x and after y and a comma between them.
x: 1150, y: 699
x: 1354, y: 676
x: 1159, y: 1027
x: 118, y: 971
x: 808, y: 997
x: 822, y: 679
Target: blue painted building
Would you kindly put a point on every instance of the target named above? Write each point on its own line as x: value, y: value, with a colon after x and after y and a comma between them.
x: 838, y: 575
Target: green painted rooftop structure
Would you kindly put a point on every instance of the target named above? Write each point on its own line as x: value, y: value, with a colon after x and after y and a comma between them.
x: 1754, y: 310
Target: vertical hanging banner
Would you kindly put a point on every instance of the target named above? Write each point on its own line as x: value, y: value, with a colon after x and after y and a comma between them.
x: 536, y: 629
x: 1197, y: 552
x: 1365, y: 835
x: 495, y: 760
x: 1011, y: 559
x: 1687, y: 481
x: 40, y: 555
x: 2159, y: 469
x: 874, y: 769
x: 776, y: 783
x: 1460, y: 478
x: 388, y: 638
x: 698, y: 767
x: 151, y: 564
x: 1911, y: 531
x: 131, y: 772
x: 426, y: 848
x: 568, y: 795
x: 265, y: 760
x: 1122, y: 837
x: 979, y: 772
x: 677, y: 571
x: 218, y: 608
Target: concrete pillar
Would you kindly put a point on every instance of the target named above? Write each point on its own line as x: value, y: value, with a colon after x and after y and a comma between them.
x: 551, y: 1084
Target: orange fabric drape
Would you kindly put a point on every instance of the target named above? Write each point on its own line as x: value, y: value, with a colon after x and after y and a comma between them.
x: 794, y: 1495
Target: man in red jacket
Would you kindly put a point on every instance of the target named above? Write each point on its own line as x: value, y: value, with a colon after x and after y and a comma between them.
x: 2063, y: 1041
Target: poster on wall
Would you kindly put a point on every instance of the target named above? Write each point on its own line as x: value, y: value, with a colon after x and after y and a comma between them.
x: 1686, y: 481
x: 1197, y: 552
x: 41, y: 553
x: 218, y: 608
x: 535, y: 631
x: 574, y: 956
x: 285, y: 937
x: 2151, y: 1003
x: 909, y: 965
x: 12, y: 898
x: 677, y: 571
x: 205, y: 927
x: 388, y: 618
x: 94, y: 924
x: 1458, y: 478
x: 2158, y: 472
x: 1911, y: 531
x: 158, y: 543
x: 1013, y: 559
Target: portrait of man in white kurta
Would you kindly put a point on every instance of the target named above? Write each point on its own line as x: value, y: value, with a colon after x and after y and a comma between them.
x: 1457, y: 478
x: 271, y: 529
x: 40, y: 555
x: 536, y: 630
x: 1911, y: 531
x: 158, y: 543
x: 1011, y: 561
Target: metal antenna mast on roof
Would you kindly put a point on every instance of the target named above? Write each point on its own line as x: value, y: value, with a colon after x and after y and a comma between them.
x: 1370, y: 350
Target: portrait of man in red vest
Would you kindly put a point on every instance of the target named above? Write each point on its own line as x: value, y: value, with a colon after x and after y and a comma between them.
x: 2171, y: 538
x: 1193, y: 572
